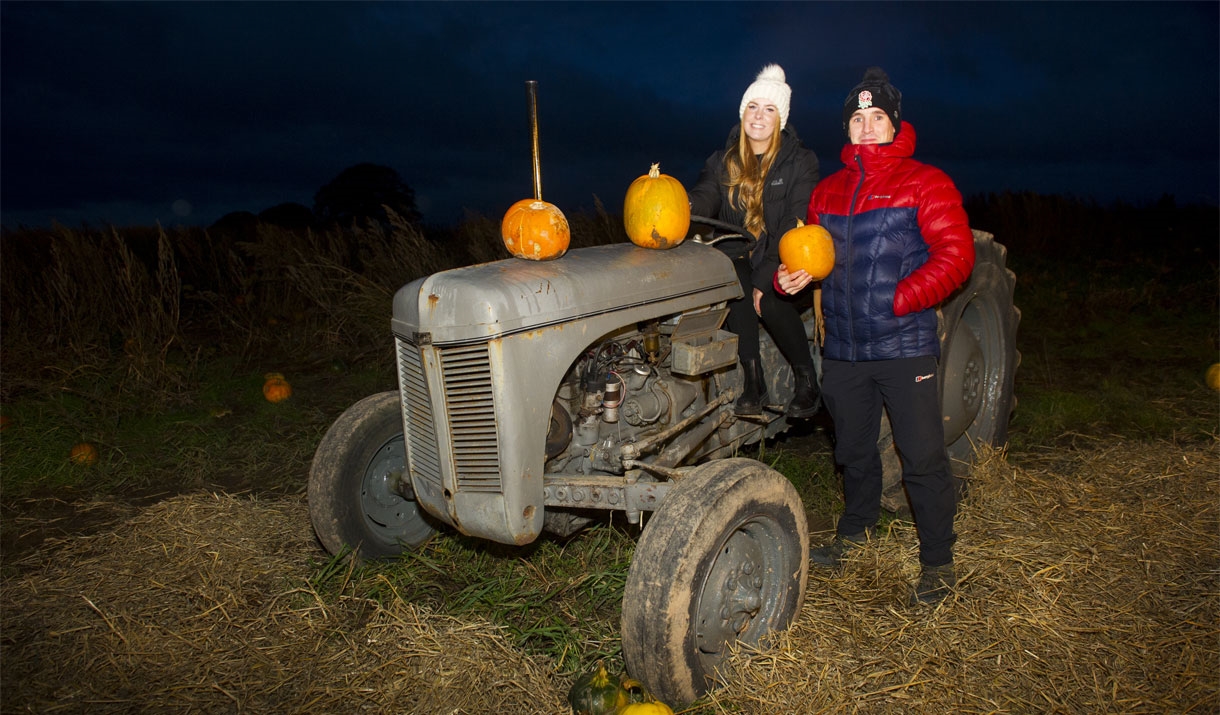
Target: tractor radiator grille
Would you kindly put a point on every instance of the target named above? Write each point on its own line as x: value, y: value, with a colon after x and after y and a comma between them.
x: 472, y: 417
x: 423, y: 454
x: 469, y: 407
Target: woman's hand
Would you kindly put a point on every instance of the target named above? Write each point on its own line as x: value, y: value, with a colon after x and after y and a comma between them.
x: 792, y: 283
x: 758, y: 302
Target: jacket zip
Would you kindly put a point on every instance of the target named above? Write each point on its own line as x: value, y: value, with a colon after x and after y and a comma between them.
x: 851, y: 214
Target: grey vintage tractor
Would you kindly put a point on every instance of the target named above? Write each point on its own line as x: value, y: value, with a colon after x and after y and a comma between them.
x: 535, y: 395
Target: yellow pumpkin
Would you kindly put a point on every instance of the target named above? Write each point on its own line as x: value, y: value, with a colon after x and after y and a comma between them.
x: 656, y: 212
x: 808, y: 247
x: 640, y: 701
x: 276, y: 388
x: 535, y: 230
x: 1213, y: 376
x: 83, y: 454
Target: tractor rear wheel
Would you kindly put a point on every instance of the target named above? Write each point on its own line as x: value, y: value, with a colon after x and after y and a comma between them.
x: 978, y: 363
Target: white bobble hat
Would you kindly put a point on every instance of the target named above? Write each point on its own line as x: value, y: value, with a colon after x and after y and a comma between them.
x: 771, y: 86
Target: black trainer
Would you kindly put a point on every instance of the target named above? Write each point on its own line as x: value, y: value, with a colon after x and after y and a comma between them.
x: 935, y: 582
x: 832, y: 554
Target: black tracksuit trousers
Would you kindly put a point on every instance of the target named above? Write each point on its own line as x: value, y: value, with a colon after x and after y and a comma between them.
x: 854, y: 393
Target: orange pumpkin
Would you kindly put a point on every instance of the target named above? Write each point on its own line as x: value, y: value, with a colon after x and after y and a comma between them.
x: 808, y: 247
x: 83, y: 454
x: 656, y: 212
x: 535, y: 230
x: 276, y: 388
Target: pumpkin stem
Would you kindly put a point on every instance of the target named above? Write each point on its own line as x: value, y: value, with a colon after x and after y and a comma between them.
x: 799, y: 223
x: 602, y: 678
x: 655, y: 171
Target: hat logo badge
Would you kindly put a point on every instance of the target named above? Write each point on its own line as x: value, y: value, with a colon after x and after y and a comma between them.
x: 865, y: 99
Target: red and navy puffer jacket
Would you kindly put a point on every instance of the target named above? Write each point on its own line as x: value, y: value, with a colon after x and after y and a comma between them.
x: 902, y: 245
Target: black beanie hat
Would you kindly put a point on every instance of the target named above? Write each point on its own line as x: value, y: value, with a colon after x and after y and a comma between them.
x: 874, y: 90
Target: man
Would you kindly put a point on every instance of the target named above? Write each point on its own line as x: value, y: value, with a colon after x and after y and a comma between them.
x: 902, y: 245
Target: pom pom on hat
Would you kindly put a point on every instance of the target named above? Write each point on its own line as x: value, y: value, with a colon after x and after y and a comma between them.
x: 771, y: 86
x: 874, y: 90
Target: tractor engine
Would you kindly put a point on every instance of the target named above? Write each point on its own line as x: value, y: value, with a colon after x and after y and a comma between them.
x: 616, y: 395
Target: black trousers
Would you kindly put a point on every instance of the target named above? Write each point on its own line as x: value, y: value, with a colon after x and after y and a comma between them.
x: 781, y: 316
x: 854, y: 393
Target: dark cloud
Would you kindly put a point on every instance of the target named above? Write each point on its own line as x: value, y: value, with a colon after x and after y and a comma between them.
x: 114, y: 111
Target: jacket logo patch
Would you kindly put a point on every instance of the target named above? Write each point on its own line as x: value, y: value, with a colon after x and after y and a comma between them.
x: 921, y: 378
x: 870, y: 197
x: 865, y: 99
x: 778, y: 182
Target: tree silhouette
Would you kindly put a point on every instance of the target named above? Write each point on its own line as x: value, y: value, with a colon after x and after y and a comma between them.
x: 237, y: 225
x: 362, y: 191
x: 289, y: 215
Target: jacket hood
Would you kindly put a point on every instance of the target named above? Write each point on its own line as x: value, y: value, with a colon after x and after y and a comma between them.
x: 903, y: 147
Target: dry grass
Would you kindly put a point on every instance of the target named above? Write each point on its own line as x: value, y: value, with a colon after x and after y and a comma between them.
x: 201, y: 603
x: 1089, y: 584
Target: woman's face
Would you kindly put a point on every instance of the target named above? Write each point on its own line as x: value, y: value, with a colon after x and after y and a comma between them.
x: 759, y: 122
x: 870, y: 126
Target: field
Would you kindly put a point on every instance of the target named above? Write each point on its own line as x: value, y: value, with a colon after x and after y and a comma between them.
x: 179, y: 571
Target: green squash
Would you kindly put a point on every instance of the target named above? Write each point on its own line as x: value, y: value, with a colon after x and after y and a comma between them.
x: 596, y: 693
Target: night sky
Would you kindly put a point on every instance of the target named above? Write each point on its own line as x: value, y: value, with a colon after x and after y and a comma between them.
x: 181, y: 112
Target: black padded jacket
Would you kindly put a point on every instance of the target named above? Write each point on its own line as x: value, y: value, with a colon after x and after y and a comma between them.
x: 785, y: 199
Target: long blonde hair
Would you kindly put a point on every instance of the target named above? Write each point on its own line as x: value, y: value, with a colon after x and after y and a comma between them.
x: 745, y: 175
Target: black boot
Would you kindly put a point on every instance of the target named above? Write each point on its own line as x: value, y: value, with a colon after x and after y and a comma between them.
x: 753, y: 392
x: 808, y: 396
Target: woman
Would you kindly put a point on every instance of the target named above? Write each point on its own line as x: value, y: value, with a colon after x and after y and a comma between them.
x: 762, y: 181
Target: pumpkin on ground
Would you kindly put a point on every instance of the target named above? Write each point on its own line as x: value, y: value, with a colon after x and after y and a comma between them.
x: 641, y: 702
x: 598, y: 693
x: 276, y: 388
x: 535, y: 230
x: 1213, y: 376
x: 84, y: 454
x: 656, y: 212
x: 654, y: 707
x: 808, y: 247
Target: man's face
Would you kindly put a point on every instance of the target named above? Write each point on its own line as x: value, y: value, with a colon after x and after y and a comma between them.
x: 870, y: 126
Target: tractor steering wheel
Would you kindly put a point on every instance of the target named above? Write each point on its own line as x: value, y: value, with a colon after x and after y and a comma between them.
x: 734, y: 232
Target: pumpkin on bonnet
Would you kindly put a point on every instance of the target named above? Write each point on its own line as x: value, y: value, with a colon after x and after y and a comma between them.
x: 656, y: 212
x: 535, y: 230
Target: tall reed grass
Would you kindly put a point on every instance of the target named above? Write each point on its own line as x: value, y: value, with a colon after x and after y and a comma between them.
x: 150, y: 303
